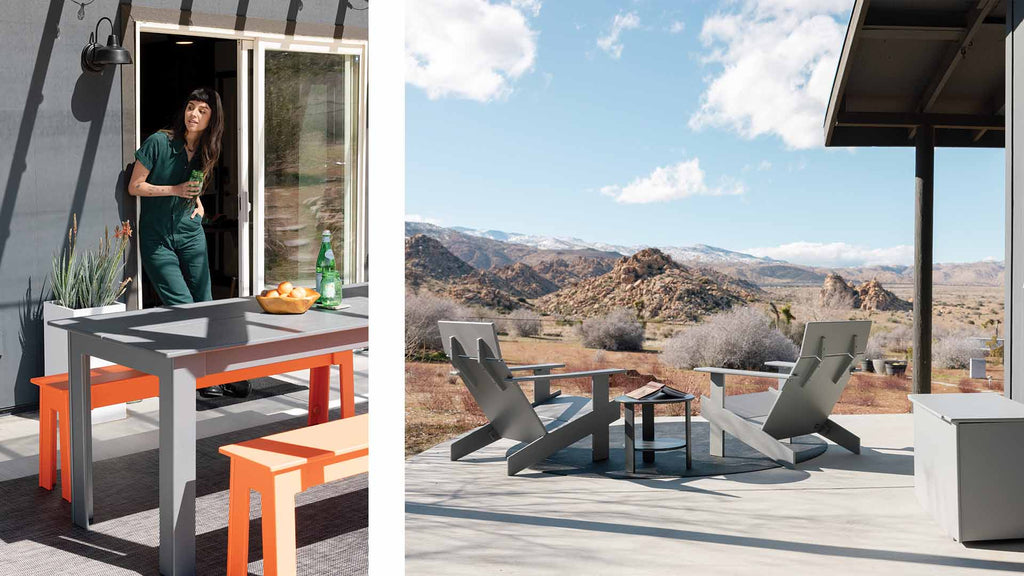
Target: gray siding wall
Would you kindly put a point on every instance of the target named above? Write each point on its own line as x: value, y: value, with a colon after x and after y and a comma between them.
x: 61, y: 143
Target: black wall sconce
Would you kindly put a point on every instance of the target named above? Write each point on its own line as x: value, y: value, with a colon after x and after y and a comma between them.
x: 96, y: 56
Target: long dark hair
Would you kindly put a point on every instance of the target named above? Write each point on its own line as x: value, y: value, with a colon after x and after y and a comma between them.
x: 209, y: 142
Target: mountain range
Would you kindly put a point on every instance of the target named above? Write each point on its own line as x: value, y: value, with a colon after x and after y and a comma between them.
x: 487, y: 249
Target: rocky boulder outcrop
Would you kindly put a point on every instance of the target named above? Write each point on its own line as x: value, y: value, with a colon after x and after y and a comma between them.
x: 430, y: 266
x: 567, y: 271
x: 523, y: 281
x: 874, y: 297
x: 836, y: 292
x: 650, y: 283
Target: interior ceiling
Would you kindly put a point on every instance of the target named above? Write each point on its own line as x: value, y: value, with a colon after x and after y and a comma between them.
x: 907, y: 63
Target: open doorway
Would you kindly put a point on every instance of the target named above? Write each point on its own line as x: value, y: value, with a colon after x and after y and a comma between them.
x: 171, y: 66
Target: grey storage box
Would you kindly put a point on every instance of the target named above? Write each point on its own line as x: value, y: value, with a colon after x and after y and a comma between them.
x: 969, y: 463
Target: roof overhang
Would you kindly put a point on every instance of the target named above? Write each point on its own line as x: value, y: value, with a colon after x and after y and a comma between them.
x: 908, y: 63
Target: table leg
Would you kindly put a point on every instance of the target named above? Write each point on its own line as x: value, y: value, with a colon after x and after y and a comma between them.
x: 689, y: 463
x: 348, y: 384
x: 630, y: 446
x: 319, y: 394
x: 178, y: 469
x: 81, y: 433
x: 647, y: 410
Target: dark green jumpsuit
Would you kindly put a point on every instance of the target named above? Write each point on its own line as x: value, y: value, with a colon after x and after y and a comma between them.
x: 173, y: 245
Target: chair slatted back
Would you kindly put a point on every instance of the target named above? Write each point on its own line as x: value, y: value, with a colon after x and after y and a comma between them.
x: 821, y: 373
x: 468, y: 333
x: 488, y: 379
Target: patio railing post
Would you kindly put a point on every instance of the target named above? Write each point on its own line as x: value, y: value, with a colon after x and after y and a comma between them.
x: 923, y: 210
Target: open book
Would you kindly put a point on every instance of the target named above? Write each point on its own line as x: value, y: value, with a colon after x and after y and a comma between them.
x: 656, y: 391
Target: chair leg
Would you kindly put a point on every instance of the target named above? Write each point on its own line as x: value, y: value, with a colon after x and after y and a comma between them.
x: 279, y: 524
x: 238, y: 523
x: 716, y: 442
x: 64, y: 429
x: 599, y: 442
x: 475, y: 440
x: 840, y: 436
x: 47, y: 442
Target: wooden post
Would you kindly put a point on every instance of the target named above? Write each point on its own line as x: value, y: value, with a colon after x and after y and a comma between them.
x: 923, y: 211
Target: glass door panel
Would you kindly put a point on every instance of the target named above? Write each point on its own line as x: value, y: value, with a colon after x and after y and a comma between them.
x: 309, y: 121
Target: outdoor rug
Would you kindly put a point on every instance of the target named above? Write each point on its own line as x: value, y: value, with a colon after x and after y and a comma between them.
x: 261, y: 388
x: 739, y: 457
x: 37, y: 537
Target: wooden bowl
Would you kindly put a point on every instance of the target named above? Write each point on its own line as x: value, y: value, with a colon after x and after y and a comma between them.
x: 286, y: 304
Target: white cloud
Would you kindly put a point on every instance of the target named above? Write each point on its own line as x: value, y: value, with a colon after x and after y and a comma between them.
x: 778, y: 59
x: 422, y: 219
x: 838, y: 254
x: 531, y: 6
x: 611, y: 43
x: 471, y: 49
x: 673, y: 182
x: 677, y: 27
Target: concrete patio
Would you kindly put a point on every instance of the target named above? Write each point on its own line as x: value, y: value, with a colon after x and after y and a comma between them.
x: 37, y: 537
x: 838, y: 513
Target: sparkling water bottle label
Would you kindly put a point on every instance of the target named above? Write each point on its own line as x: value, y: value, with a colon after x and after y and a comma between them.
x: 329, y: 290
x: 329, y: 254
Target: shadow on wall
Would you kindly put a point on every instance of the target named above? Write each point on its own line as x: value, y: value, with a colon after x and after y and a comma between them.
x: 30, y: 336
x: 88, y: 102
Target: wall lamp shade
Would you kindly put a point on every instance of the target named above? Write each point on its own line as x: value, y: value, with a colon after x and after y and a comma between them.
x: 96, y: 56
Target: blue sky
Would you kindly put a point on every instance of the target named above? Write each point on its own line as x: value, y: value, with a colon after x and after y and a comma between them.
x: 667, y: 123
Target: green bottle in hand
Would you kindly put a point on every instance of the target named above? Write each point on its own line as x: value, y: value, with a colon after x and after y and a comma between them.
x: 197, y: 176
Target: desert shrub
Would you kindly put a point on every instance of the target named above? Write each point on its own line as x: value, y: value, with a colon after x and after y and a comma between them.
x: 743, y: 338
x: 873, y: 351
x: 422, y: 312
x: 794, y: 330
x: 954, y: 351
x: 521, y: 323
x: 619, y: 330
x: 898, y: 340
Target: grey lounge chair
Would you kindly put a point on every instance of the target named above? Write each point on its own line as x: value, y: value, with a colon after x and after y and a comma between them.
x: 469, y: 332
x: 545, y: 427
x: 807, y: 393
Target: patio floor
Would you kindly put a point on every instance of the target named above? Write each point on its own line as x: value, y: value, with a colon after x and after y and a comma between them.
x: 37, y: 537
x: 838, y: 513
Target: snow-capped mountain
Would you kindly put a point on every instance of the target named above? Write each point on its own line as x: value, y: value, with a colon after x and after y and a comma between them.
x: 695, y: 253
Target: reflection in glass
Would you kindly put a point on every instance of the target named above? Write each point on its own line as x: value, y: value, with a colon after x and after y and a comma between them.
x: 310, y: 161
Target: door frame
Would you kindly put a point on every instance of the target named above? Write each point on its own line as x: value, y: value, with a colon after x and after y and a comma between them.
x: 251, y: 224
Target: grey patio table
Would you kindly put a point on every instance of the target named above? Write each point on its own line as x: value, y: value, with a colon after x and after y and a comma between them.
x: 180, y: 344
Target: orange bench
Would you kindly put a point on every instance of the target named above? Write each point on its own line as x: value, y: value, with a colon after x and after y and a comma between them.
x: 280, y: 466
x: 116, y: 384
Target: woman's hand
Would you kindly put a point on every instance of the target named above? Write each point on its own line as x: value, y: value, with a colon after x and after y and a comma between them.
x: 199, y: 210
x: 187, y: 190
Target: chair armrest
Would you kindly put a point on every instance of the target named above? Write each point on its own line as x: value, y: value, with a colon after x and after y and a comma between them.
x: 535, y: 367
x: 731, y: 372
x: 587, y: 374
x: 780, y: 364
x: 599, y: 384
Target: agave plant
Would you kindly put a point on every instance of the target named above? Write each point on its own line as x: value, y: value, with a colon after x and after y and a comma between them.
x: 90, y: 280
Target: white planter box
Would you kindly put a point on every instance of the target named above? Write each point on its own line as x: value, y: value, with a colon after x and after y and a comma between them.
x: 55, y: 350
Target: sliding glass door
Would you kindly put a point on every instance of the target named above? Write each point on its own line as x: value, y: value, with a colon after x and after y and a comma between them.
x: 309, y: 143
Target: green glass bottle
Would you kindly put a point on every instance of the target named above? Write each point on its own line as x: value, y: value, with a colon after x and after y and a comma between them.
x: 326, y: 274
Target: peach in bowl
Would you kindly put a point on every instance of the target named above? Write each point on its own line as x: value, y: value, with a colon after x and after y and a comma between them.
x: 287, y: 299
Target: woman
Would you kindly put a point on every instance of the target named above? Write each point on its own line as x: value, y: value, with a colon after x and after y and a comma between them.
x: 171, y: 238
